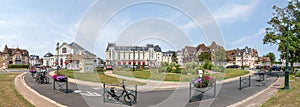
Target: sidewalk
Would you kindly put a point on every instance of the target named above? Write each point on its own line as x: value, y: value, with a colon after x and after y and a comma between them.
x: 261, y: 97
x: 31, y: 95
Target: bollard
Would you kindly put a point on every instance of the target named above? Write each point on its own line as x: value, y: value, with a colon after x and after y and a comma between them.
x: 249, y: 80
x: 190, y: 92
x: 67, y: 87
x: 215, y: 89
x: 240, y: 83
x: 53, y: 84
x: 136, y: 94
x: 104, y: 93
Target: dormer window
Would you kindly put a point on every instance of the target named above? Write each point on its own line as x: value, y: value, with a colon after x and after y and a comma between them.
x: 64, y: 50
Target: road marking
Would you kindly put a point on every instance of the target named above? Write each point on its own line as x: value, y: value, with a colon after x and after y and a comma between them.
x: 97, y: 88
x: 77, y: 91
x: 91, y: 94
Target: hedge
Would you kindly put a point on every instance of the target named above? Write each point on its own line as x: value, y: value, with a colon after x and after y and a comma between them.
x: 18, y: 66
x: 297, y: 74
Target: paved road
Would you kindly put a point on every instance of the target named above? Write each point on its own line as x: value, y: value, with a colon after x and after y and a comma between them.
x: 91, y: 96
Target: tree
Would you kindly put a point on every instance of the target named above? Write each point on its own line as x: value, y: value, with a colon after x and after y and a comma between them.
x: 285, y: 21
x: 220, y: 56
x: 204, y: 56
x: 271, y: 56
x: 174, y: 57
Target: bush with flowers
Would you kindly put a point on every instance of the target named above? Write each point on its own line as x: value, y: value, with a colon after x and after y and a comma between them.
x: 202, y: 82
x: 32, y: 71
x: 60, y: 78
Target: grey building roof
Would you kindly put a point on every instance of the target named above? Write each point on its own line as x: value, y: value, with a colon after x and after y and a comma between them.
x: 48, y: 54
x: 168, y: 53
x: 76, y: 46
x: 135, y: 48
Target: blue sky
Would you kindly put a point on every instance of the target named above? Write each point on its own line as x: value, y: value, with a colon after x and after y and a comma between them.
x: 38, y: 25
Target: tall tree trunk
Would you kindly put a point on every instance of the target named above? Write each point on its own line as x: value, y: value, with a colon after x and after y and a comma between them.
x: 292, y: 67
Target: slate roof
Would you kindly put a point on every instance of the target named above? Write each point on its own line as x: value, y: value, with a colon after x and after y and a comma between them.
x: 48, y: 54
x: 135, y: 48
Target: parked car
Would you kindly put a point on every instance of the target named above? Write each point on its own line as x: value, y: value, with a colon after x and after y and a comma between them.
x: 297, y: 69
x: 258, y: 67
x: 275, y: 68
x: 232, y: 66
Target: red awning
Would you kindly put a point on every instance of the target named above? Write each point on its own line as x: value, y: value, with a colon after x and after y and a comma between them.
x: 144, y: 63
x: 139, y: 63
x: 129, y: 63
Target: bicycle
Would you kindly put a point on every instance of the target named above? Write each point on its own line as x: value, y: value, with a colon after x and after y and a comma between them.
x: 126, y: 94
x: 42, y: 78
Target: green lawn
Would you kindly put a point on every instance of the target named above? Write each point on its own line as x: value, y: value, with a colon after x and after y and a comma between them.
x: 97, y: 77
x: 286, y: 98
x: 154, y: 75
x: 231, y: 73
x: 9, y: 97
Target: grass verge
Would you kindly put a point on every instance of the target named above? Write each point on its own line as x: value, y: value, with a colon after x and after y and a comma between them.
x: 286, y: 98
x: 97, y: 77
x: 154, y: 75
x: 9, y: 97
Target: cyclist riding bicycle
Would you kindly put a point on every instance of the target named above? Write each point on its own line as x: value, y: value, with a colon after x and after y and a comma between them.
x: 41, y: 76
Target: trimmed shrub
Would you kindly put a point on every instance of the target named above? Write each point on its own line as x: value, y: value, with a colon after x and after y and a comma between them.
x: 297, y: 74
x: 218, y: 68
x: 18, y: 66
x: 209, y: 66
x: 100, y: 69
x: 169, y: 69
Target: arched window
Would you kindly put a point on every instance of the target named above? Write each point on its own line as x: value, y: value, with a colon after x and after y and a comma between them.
x: 64, y: 50
x: 61, y: 61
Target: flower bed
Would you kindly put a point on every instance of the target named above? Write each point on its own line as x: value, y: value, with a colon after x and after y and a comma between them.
x: 203, y: 82
x: 32, y: 71
x: 59, y: 78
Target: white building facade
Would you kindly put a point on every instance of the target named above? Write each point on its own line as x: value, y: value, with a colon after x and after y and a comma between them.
x: 133, y: 55
x: 248, y: 56
x: 69, y: 56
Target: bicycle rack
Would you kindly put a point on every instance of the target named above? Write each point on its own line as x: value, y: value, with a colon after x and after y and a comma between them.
x: 60, y: 84
x: 106, y: 100
x: 201, y: 90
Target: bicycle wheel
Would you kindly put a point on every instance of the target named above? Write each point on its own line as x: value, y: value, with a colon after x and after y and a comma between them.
x: 108, y: 97
x: 130, y: 98
x: 37, y: 79
x: 46, y: 80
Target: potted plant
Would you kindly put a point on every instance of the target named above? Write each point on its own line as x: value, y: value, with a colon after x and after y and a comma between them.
x: 59, y: 78
x: 203, y: 82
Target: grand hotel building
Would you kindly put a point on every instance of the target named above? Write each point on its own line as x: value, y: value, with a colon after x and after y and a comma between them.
x: 135, y: 55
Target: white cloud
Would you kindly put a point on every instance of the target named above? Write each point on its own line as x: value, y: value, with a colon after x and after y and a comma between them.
x: 247, y: 38
x: 235, y: 12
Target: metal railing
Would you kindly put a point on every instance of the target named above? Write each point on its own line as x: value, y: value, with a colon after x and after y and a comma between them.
x: 245, y: 82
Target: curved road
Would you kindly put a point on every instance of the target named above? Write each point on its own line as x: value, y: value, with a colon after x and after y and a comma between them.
x: 92, y: 96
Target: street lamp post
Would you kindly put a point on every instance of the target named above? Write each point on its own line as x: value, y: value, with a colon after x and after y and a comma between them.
x: 57, y: 50
x: 133, y: 63
x: 241, y: 52
x: 286, y: 73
